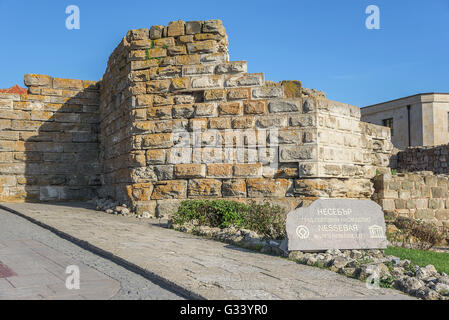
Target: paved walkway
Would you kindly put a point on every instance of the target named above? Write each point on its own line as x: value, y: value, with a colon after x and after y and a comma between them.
x: 33, y: 261
x: 194, y: 266
x: 31, y: 270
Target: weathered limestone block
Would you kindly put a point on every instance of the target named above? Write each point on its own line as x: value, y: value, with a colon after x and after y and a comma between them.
x: 245, y: 80
x: 167, y: 208
x: 138, y: 34
x: 283, y: 105
x: 204, y: 188
x: 267, y: 91
x: 176, y: 28
x: 207, y: 82
x: 205, y: 110
x: 219, y: 170
x: 248, y: 170
x: 193, y: 27
x: 188, y: 171
x: 230, y: 108
x: 214, y: 95
x: 156, y: 32
x: 232, y: 67
x: 255, y: 107
x: 207, y: 46
x: 174, y: 189
x: 234, y: 188
x: 263, y: 187
x: 34, y: 80
x: 289, y: 153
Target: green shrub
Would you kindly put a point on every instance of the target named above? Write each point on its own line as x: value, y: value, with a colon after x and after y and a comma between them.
x: 265, y: 219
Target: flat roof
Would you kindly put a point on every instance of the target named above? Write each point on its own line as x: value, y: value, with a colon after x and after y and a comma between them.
x: 413, y: 95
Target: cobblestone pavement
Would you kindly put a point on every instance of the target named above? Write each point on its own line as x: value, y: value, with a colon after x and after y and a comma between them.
x: 198, y: 267
x: 33, y: 264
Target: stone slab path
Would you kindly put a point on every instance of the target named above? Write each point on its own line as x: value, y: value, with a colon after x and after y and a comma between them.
x: 193, y: 266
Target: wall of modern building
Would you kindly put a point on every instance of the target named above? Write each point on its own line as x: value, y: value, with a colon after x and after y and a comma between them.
x: 419, y: 120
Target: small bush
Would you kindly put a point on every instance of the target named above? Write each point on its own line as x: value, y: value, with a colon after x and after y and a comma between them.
x: 426, y: 234
x: 265, y: 219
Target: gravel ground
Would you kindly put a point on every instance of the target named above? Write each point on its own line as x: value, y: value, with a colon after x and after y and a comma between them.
x: 133, y: 286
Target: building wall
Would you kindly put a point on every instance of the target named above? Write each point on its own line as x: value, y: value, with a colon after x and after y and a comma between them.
x: 190, y: 98
x: 441, y: 125
x: 428, y: 119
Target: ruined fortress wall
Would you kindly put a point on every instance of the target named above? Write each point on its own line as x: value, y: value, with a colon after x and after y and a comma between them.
x: 48, y: 141
x: 116, y: 114
x: 203, y: 127
x: 173, y: 118
x: 433, y: 159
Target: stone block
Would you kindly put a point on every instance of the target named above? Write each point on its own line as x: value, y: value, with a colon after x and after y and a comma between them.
x: 138, y: 34
x: 207, y: 82
x: 205, y: 110
x: 230, y: 108
x: 67, y: 84
x: 439, y: 192
x: 220, y: 123
x: 267, y: 92
x: 283, y: 105
x: 190, y: 170
x: 202, y: 47
x: 234, y: 188
x: 184, y: 111
x: 425, y: 214
x: 156, y: 32
x: 442, y: 214
x: 173, y: 189
x: 193, y: 27
x: 176, y: 28
x: 255, y: 107
x: 219, y: 170
x: 197, y: 69
x: 157, y: 140
x: 158, y: 86
x: 214, y: 95
x: 232, y: 67
x: 263, y: 187
x: 167, y: 208
x: 248, y: 170
x: 289, y: 153
x: 274, y: 121
x: 34, y: 80
x: 156, y: 156
x: 204, y: 188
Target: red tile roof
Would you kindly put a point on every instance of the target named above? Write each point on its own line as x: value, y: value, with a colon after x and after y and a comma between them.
x: 15, y: 89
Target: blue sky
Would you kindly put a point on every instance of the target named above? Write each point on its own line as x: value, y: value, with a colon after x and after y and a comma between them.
x: 325, y: 44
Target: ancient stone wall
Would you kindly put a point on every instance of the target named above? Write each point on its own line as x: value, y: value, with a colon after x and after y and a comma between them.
x: 173, y: 118
x: 420, y: 195
x: 433, y: 159
x: 202, y: 127
x: 48, y: 141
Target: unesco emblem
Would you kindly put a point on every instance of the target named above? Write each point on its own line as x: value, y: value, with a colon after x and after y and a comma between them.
x: 302, y: 232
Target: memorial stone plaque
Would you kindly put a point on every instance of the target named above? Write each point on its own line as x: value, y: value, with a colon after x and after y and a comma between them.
x: 337, y: 224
